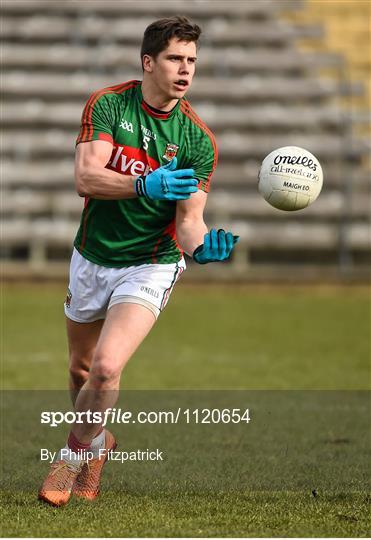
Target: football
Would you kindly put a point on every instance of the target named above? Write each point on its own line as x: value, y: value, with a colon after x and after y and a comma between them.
x: 290, y: 178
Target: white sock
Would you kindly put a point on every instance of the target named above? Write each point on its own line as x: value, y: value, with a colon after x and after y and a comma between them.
x: 97, y: 443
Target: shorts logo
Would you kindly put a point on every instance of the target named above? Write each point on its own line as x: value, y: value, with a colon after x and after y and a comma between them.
x: 170, y: 151
x: 68, y: 298
x: 150, y: 291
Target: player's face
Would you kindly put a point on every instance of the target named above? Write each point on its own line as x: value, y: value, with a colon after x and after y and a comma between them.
x: 173, y: 69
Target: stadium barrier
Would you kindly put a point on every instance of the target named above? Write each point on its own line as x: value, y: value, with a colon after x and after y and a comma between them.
x: 256, y: 89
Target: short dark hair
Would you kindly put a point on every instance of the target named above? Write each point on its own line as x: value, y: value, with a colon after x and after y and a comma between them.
x: 158, y: 34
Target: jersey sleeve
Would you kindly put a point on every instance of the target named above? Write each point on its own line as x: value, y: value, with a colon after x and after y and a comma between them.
x: 203, y: 152
x: 97, y: 119
x: 205, y: 160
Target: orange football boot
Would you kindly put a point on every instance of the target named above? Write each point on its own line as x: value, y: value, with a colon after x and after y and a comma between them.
x: 57, y: 487
x: 87, y: 483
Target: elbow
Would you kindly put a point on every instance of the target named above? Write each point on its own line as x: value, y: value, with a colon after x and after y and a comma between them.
x: 190, y: 222
x: 82, y: 192
x: 81, y: 184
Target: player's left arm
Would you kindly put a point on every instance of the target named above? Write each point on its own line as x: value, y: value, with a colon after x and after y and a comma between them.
x: 193, y: 235
x: 190, y: 225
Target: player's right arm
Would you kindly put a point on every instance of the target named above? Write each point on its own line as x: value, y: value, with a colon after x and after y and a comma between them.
x: 94, y: 150
x: 92, y: 179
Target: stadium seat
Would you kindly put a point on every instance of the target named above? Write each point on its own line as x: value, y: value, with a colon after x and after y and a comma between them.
x: 258, y: 87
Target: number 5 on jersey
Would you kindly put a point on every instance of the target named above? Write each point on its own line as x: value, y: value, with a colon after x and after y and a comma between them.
x: 145, y: 142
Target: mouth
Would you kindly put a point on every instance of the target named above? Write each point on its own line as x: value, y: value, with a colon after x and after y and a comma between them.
x: 181, y: 84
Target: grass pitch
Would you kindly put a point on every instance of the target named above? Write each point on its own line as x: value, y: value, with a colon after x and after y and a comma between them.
x: 209, y: 338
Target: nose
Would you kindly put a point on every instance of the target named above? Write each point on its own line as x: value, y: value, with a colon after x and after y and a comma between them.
x: 184, y: 67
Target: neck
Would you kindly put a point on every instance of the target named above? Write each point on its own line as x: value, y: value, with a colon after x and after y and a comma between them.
x: 153, y: 97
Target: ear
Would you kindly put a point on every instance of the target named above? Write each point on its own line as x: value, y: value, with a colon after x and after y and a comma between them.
x: 147, y: 63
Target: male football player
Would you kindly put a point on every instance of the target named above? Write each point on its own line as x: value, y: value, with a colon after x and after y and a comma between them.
x: 144, y: 161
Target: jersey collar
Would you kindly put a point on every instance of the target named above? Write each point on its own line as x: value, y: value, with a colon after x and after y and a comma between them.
x: 150, y: 112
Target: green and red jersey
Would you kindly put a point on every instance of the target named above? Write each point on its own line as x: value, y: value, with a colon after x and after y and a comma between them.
x: 126, y: 232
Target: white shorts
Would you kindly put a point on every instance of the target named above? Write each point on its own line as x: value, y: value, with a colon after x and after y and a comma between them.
x: 93, y: 289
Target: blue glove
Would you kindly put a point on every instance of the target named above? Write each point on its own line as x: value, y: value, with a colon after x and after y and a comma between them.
x: 166, y: 183
x: 217, y: 246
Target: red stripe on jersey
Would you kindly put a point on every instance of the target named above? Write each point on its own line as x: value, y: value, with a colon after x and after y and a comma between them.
x: 161, y: 116
x: 187, y: 110
x: 118, y: 89
x: 84, y: 126
x: 169, y: 231
x: 105, y: 137
x: 86, y: 129
x: 155, y: 250
x: 107, y: 90
x: 84, y: 225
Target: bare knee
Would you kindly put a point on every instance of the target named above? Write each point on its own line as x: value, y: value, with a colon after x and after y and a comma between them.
x: 79, y: 370
x: 78, y: 376
x: 104, y: 375
x: 82, y: 341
